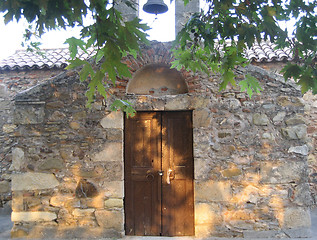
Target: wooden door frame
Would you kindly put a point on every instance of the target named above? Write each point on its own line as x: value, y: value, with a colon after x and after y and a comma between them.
x: 192, y: 179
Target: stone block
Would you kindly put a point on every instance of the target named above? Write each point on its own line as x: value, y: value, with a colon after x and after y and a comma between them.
x: 112, y: 151
x: 33, y: 181
x: 202, y: 168
x: 242, y: 224
x: 158, y: 104
x: 3, y: 90
x: 199, y: 102
x: 295, y: 132
x: 250, y: 194
x: 74, y: 125
x: 224, y: 134
x: 232, y: 172
x: 279, y: 117
x: 114, y: 203
x: 233, y: 104
x: 112, y: 120
x: 96, y: 202
x: 17, y: 159
x: 57, y: 117
x: 32, y: 203
x: 282, y: 172
x: 85, y: 173
x: 5, y: 105
x: 110, y: 219
x: 298, y: 232
x: 294, y: 218
x: 303, y: 150
x: 284, y: 101
x: 70, y: 232
x: 32, y: 216
x: 302, y: 195
x: 268, y: 136
x: 297, y: 120
x: 201, y: 118
x: 203, y: 231
x: 66, y: 154
x: 80, y: 115
x: 18, y: 233
x: 17, y: 201
x: 239, y: 215
x: 5, y: 187
x: 260, y: 119
x: 87, y: 222
x: 180, y: 102
x: 212, y: 191
x: 113, y: 189
x: 51, y: 163
x: 113, y: 171
x: 55, y: 104
x: 261, y: 234
x: 207, y: 213
x: 29, y: 113
x: 8, y: 128
x: 60, y: 200
x: 83, y: 212
x: 114, y: 134
x: 269, y: 107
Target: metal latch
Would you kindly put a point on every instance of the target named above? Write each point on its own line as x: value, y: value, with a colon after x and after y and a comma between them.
x: 168, y: 178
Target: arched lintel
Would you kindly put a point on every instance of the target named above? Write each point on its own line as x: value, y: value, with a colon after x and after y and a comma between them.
x: 157, y: 79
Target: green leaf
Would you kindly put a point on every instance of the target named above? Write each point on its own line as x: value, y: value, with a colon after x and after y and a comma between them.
x: 291, y: 70
x: 124, y: 106
x: 99, y: 56
x: 227, y: 77
x: 75, y: 63
x: 74, y: 43
x: 250, y: 84
x: 86, y: 71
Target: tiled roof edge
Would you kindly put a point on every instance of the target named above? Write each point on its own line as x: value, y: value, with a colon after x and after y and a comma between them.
x: 264, y: 52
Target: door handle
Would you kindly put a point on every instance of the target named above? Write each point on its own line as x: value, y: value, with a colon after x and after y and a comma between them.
x: 150, y: 177
x: 169, y: 176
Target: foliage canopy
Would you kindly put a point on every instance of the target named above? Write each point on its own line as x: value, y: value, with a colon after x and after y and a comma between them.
x: 214, y: 39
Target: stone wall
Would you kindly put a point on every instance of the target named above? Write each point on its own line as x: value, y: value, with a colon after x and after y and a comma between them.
x: 310, y: 102
x: 12, y: 82
x: 70, y: 181
x: 311, y: 117
x: 249, y: 157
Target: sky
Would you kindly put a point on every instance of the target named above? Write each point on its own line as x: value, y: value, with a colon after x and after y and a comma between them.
x: 163, y: 29
x: 11, y: 35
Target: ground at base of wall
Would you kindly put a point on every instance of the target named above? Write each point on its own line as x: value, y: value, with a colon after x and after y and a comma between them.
x: 6, y: 225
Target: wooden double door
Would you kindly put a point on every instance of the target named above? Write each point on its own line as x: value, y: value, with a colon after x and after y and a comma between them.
x: 159, y: 195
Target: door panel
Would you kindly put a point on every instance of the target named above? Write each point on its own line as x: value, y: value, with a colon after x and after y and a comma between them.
x: 142, y: 183
x: 177, y: 191
x: 159, y: 205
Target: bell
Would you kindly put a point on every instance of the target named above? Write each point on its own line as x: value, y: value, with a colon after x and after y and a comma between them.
x: 155, y: 7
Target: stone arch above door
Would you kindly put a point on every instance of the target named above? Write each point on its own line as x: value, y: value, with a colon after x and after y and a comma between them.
x: 156, y: 55
x: 157, y: 79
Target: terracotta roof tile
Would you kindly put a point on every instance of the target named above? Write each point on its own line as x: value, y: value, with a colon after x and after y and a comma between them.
x: 53, y: 58
x: 57, y: 58
x: 267, y: 52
